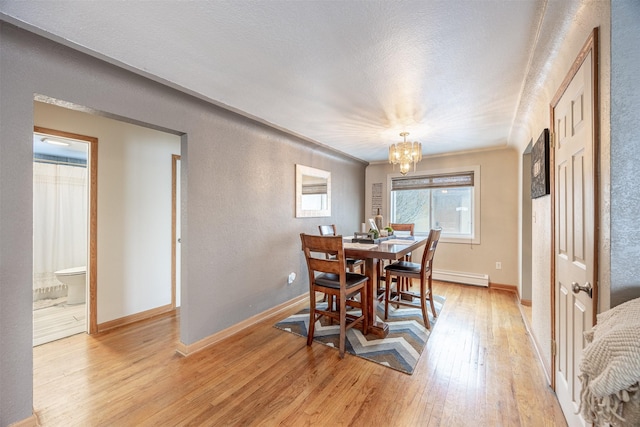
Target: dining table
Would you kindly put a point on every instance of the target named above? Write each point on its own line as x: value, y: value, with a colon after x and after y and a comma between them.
x: 392, y: 249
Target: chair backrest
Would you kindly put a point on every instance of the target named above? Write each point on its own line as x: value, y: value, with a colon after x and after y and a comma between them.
x: 430, y: 248
x: 324, y: 254
x: 327, y: 230
x: 403, y: 227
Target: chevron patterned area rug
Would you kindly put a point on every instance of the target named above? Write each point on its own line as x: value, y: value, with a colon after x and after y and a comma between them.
x: 400, y: 350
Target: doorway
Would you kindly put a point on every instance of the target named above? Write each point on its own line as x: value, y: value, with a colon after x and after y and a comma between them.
x: 133, y: 221
x: 132, y: 226
x: 64, y: 184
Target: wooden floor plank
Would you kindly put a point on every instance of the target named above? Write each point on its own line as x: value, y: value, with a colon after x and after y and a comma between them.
x: 478, y: 368
x: 58, y: 321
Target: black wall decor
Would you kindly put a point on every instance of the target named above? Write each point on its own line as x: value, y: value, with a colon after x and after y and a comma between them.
x: 540, y: 166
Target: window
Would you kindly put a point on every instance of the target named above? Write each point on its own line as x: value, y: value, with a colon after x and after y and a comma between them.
x: 447, y: 199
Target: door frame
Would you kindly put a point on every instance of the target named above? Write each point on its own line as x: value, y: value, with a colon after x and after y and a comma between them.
x: 526, y: 229
x: 590, y: 47
x: 92, y: 264
x: 174, y: 226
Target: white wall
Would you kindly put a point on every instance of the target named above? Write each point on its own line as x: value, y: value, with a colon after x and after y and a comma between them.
x: 498, y: 213
x: 134, y: 209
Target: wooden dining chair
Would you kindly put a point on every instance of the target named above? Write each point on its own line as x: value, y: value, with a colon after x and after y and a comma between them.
x: 330, y: 276
x: 405, y: 283
x: 411, y: 270
x: 352, y: 264
x: 404, y: 227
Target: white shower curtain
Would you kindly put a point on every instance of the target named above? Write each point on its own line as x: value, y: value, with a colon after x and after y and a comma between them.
x: 59, y: 224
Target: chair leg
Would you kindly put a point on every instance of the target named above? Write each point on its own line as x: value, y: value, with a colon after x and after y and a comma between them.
x: 364, y: 293
x: 378, y: 268
x: 406, y: 282
x: 399, y: 295
x: 423, y: 303
x: 343, y: 324
x: 312, y: 318
x: 433, y: 307
x: 387, y: 294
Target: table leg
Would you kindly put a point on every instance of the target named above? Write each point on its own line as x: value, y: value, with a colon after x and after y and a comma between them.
x: 380, y: 329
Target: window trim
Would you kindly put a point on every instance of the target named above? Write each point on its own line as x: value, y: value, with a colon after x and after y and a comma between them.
x: 475, y: 238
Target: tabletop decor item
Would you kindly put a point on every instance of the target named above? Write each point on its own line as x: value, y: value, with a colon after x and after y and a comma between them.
x: 379, y: 220
x: 370, y: 237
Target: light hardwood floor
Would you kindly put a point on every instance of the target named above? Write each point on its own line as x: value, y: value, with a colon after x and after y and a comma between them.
x: 58, y: 321
x: 478, y: 369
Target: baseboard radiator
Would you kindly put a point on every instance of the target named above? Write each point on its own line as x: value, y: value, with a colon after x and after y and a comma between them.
x: 462, y: 277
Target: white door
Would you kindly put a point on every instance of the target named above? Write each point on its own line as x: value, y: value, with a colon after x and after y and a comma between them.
x: 574, y: 234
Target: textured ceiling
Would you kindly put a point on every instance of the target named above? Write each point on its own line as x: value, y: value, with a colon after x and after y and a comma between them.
x: 350, y: 75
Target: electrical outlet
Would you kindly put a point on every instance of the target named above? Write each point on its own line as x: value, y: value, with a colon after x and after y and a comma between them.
x: 498, y: 265
x: 291, y: 278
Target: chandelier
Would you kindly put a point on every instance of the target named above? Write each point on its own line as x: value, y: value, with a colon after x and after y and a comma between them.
x: 405, y: 153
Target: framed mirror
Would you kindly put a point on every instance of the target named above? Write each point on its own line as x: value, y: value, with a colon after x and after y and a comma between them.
x: 313, y: 192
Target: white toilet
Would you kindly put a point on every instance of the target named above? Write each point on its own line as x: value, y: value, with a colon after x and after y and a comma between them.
x: 76, y: 280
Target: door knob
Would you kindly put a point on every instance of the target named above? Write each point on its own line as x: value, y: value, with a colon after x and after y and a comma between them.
x: 587, y: 288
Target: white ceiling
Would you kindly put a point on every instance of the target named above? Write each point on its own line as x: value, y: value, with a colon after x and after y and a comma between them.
x: 346, y: 74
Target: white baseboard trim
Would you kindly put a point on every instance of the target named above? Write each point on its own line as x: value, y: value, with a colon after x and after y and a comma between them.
x: 462, y: 277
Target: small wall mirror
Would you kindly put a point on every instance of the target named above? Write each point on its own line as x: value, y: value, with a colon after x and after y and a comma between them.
x: 313, y: 192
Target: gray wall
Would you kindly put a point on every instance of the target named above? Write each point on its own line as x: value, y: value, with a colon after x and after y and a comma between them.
x: 239, y: 232
x: 625, y: 153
